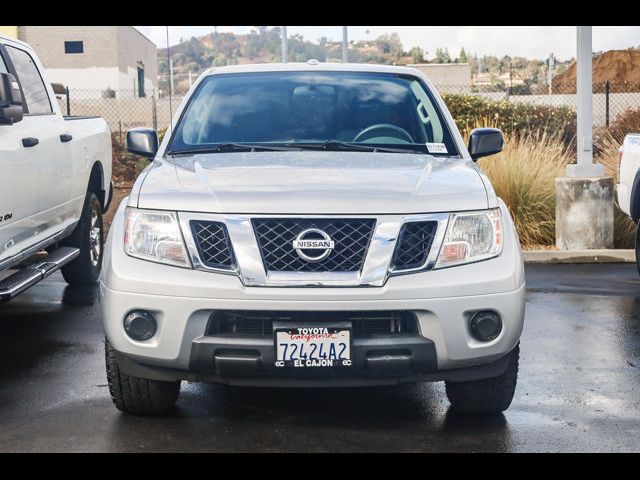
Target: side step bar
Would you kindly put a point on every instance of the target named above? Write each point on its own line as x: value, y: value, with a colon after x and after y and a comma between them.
x: 32, y: 274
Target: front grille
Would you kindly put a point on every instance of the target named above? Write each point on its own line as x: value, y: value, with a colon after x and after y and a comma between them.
x: 214, y: 246
x: 276, y: 235
x: 248, y: 323
x: 414, y: 244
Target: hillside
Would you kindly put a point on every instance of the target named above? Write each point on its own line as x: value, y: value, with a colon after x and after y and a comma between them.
x: 263, y: 45
x: 620, y: 67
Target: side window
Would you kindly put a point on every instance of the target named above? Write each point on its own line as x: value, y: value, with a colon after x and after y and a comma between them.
x: 3, y: 66
x: 31, y: 82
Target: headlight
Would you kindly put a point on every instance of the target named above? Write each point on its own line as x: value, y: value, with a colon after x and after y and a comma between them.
x: 155, y: 235
x: 471, y: 237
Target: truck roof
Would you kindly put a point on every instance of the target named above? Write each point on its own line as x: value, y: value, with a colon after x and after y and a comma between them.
x: 4, y: 39
x: 311, y: 66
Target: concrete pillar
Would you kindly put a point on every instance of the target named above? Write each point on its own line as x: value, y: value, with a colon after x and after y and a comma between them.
x: 584, y: 212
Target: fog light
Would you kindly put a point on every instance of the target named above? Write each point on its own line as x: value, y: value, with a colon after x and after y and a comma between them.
x: 140, y: 325
x: 485, y: 325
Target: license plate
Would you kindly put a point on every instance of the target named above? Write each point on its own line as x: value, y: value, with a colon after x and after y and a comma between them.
x: 313, y: 347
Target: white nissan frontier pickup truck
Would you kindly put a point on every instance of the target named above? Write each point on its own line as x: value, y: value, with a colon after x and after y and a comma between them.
x: 55, y: 180
x: 312, y: 225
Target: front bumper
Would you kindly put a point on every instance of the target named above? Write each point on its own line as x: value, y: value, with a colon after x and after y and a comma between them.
x: 250, y: 363
x: 183, y: 301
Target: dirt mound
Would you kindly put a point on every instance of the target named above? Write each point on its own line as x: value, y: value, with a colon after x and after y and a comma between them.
x: 620, y: 67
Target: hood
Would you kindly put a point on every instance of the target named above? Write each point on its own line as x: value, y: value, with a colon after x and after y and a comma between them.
x: 311, y: 182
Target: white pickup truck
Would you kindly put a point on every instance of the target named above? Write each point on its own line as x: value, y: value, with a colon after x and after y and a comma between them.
x: 628, y: 188
x: 55, y: 180
x: 313, y: 225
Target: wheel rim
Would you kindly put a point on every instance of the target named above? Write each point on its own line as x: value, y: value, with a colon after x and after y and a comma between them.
x: 95, y: 238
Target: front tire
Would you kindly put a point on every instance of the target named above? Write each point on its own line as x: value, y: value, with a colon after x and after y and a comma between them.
x: 138, y: 396
x: 88, y: 237
x: 491, y: 395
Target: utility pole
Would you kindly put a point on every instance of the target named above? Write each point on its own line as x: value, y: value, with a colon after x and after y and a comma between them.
x: 510, y: 76
x: 284, y: 44
x: 171, y: 76
x: 345, y: 45
x: 585, y: 166
x: 190, y: 79
x: 550, y: 73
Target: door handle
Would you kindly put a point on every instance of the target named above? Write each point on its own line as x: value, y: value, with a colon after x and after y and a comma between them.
x: 65, y: 137
x: 30, y: 142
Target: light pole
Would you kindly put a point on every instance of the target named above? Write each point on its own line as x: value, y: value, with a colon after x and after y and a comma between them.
x: 171, y: 76
x: 284, y: 44
x: 345, y: 45
x: 551, y: 65
x: 584, y: 137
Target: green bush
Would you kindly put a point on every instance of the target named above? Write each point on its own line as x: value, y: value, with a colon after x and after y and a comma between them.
x: 513, y: 118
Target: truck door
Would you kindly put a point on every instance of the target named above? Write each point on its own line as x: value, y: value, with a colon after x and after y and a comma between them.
x: 19, y: 201
x: 31, y: 182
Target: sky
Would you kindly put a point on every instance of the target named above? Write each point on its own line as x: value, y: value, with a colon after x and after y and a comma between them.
x: 527, y: 41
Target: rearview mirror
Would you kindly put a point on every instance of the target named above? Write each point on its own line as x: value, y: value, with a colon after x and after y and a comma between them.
x: 143, y: 142
x: 484, y: 142
x: 10, y: 100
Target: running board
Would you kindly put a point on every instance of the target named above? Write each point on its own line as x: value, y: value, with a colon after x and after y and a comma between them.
x: 32, y: 274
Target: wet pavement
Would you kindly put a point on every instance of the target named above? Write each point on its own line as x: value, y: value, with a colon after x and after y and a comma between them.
x: 578, y: 389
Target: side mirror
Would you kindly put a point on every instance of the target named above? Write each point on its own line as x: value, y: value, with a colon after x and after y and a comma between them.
x: 484, y: 142
x: 10, y: 100
x: 142, y: 141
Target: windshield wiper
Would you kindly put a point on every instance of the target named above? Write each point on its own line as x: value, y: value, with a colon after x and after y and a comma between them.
x: 346, y: 146
x: 236, y: 147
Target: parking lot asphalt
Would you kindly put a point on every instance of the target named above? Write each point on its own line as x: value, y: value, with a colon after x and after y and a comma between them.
x: 578, y: 388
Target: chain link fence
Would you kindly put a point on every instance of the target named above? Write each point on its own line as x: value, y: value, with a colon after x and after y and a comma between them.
x: 122, y: 109
x: 125, y: 109
x: 610, y: 99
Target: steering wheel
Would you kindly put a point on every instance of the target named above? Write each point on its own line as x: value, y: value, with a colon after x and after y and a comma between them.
x: 386, y: 129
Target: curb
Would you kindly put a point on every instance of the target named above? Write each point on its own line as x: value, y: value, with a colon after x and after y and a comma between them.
x: 580, y: 256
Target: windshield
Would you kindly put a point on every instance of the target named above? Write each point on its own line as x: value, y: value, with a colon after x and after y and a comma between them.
x: 306, y: 109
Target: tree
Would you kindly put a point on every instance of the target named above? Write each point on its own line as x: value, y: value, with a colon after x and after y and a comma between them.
x: 463, y: 58
x: 442, y: 56
x: 220, y: 61
x: 417, y: 55
x: 260, y: 30
x: 390, y: 45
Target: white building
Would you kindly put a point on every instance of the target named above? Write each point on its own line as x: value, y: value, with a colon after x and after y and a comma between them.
x: 96, y: 59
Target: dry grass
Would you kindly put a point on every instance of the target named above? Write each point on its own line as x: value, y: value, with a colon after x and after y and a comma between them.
x: 608, y: 144
x: 523, y: 175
